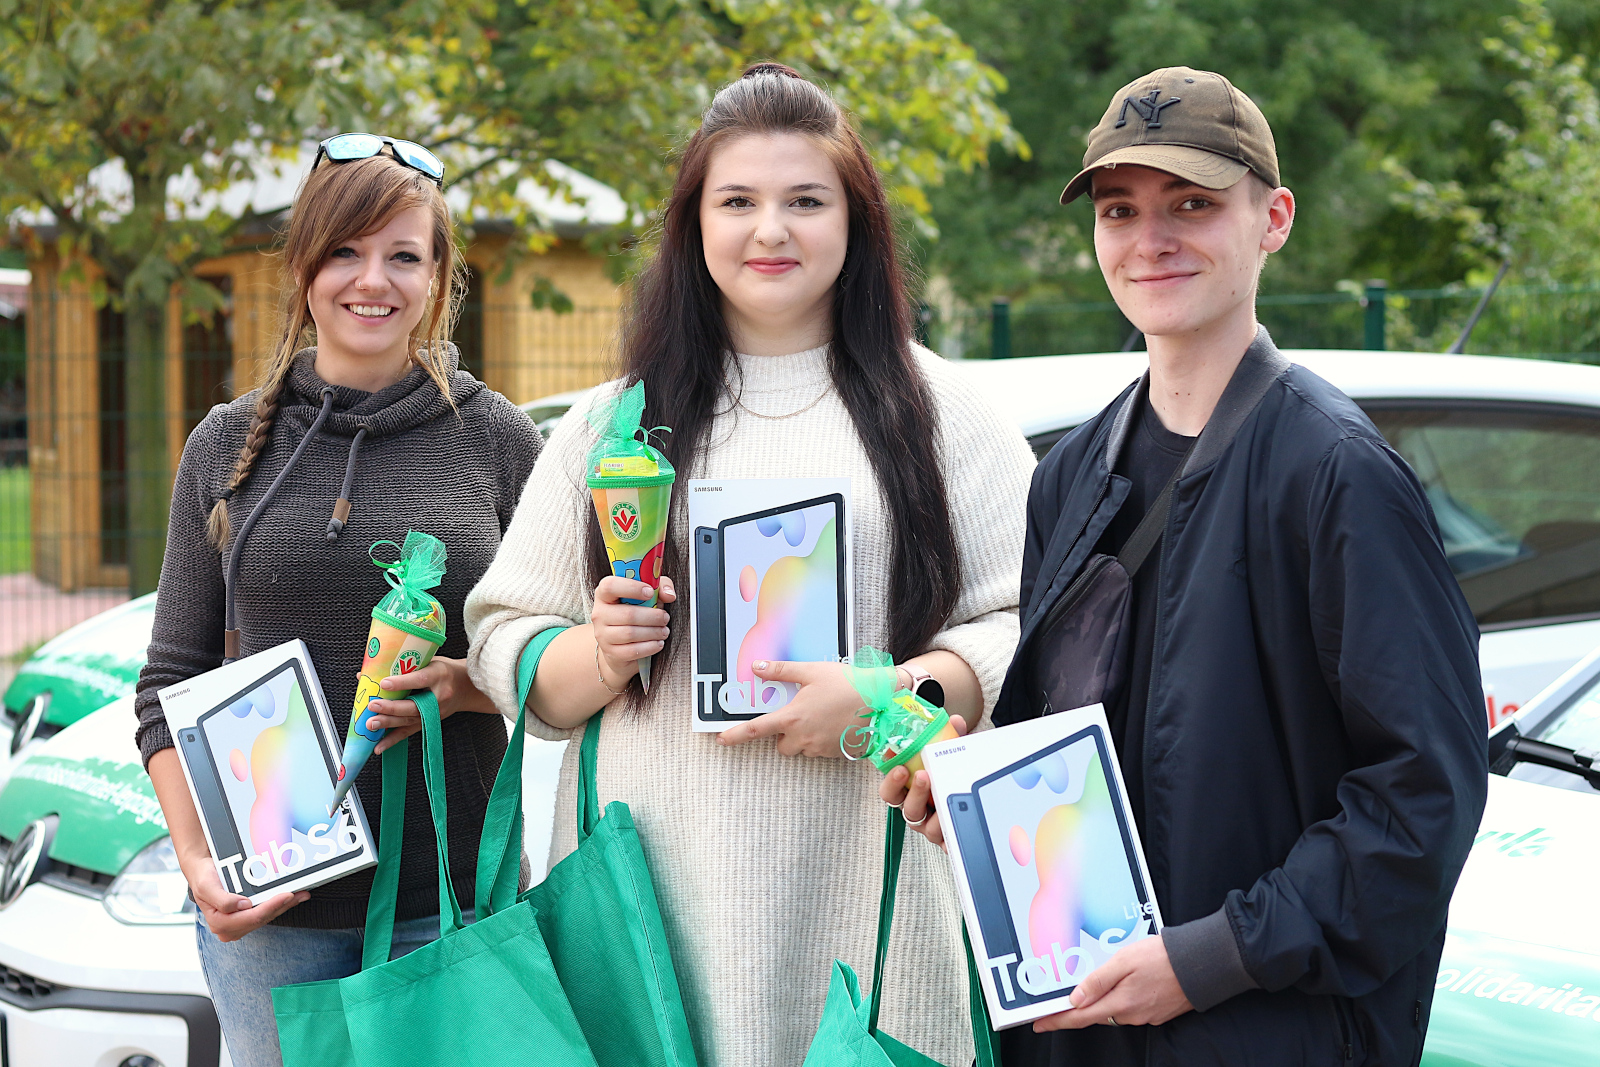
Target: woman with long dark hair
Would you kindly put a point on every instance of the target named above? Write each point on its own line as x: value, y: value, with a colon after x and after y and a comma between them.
x: 773, y: 335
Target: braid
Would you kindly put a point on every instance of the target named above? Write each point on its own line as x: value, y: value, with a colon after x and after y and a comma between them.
x: 218, y: 528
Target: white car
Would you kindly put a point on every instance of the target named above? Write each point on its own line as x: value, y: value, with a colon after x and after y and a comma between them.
x: 1508, y: 450
x: 97, y: 955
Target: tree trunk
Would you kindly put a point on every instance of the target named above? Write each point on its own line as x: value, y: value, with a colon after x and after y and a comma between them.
x: 149, y: 487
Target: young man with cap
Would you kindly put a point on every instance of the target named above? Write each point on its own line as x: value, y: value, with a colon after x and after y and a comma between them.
x: 1298, y: 717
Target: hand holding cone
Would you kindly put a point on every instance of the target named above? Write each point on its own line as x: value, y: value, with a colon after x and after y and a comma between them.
x: 631, y: 483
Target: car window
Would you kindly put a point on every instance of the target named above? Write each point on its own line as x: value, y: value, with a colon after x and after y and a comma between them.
x: 1516, y: 490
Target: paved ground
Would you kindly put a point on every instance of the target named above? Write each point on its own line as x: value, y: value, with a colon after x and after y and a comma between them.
x: 32, y: 612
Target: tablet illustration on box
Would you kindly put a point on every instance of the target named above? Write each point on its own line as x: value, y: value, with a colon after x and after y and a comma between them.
x: 1046, y: 857
x: 260, y: 756
x: 770, y: 580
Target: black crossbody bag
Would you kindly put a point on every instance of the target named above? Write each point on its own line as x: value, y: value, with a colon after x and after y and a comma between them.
x: 1078, y: 655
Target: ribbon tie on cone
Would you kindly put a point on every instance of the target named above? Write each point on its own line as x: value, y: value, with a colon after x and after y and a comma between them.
x: 899, y: 723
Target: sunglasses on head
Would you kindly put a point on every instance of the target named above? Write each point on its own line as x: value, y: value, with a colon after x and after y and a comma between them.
x: 343, y: 147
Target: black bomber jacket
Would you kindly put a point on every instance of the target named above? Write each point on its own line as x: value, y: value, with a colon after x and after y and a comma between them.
x: 1315, y: 756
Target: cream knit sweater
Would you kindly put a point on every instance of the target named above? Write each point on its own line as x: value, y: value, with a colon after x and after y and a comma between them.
x: 768, y: 867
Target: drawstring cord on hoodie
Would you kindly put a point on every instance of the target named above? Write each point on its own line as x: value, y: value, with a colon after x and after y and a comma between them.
x: 230, y: 636
x: 341, y: 507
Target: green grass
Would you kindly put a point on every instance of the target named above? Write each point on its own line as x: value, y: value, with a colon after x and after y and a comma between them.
x: 16, y: 514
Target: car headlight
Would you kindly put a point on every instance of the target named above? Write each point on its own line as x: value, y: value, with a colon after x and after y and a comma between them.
x: 151, y: 888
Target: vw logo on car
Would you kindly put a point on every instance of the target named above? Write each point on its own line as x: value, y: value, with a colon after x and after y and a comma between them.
x: 23, y: 860
x: 28, y: 725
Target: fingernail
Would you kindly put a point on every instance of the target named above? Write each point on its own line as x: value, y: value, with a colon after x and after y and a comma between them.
x: 759, y: 665
x: 660, y: 645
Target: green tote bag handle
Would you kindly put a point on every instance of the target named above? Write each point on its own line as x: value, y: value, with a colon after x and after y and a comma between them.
x: 381, y: 902
x: 984, y: 1039
x: 500, y: 849
x: 597, y: 907
x: 379, y: 937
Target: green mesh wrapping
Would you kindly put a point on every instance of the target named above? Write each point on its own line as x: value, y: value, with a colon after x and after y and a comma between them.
x: 898, y: 722
x: 419, y: 568
x: 617, y: 421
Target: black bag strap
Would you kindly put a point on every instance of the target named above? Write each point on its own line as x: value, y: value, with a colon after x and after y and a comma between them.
x: 1261, y: 366
x: 1150, y: 528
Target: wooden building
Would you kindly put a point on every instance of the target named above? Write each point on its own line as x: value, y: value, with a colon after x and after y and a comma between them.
x: 75, y: 371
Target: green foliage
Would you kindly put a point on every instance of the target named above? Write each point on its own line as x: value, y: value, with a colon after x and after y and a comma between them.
x: 192, y: 97
x: 1361, y: 96
x: 1547, y: 180
x: 546, y: 296
x: 205, y: 90
x: 609, y: 87
x: 202, y: 91
x: 1536, y: 206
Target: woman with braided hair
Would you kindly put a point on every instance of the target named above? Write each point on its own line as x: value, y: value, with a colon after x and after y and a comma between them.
x: 361, y: 408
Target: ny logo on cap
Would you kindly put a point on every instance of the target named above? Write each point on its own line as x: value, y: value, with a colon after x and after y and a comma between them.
x: 1148, y: 109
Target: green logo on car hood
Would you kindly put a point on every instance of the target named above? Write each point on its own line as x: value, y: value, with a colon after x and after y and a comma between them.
x: 1519, y: 982
x: 1513, y: 844
x: 1498, y: 1001
x: 91, y: 776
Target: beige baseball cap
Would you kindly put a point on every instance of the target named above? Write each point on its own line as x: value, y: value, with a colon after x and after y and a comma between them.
x: 1187, y: 122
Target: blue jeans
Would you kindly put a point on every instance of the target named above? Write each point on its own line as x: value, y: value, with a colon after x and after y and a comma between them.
x: 241, y: 974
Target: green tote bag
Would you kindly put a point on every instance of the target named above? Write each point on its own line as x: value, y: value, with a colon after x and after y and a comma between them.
x: 601, y: 920
x: 486, y: 994
x: 848, y: 1035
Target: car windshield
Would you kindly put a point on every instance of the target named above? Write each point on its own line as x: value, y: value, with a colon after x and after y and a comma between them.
x: 1577, y: 727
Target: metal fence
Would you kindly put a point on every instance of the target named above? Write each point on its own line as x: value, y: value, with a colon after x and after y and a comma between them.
x: 65, y: 525
x: 1550, y: 322
x: 67, y: 531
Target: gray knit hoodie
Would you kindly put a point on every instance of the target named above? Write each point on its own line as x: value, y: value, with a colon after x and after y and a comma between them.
x: 420, y: 466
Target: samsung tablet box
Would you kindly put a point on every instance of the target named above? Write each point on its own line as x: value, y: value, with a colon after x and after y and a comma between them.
x: 769, y: 573
x: 1046, y: 855
x: 260, y: 755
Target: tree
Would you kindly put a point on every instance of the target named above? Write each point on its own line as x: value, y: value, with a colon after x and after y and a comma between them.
x: 152, y: 93
x: 1543, y: 196
x: 188, y: 97
x: 1346, y: 84
x: 609, y: 87
x: 1534, y: 210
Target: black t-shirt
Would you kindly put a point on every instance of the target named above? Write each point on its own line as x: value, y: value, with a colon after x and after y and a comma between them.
x: 1149, y: 456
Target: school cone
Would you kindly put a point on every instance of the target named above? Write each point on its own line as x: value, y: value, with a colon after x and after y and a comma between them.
x: 408, y: 626
x: 631, y: 483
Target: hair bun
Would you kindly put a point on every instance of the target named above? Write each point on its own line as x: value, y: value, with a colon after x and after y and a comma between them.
x: 755, y: 70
